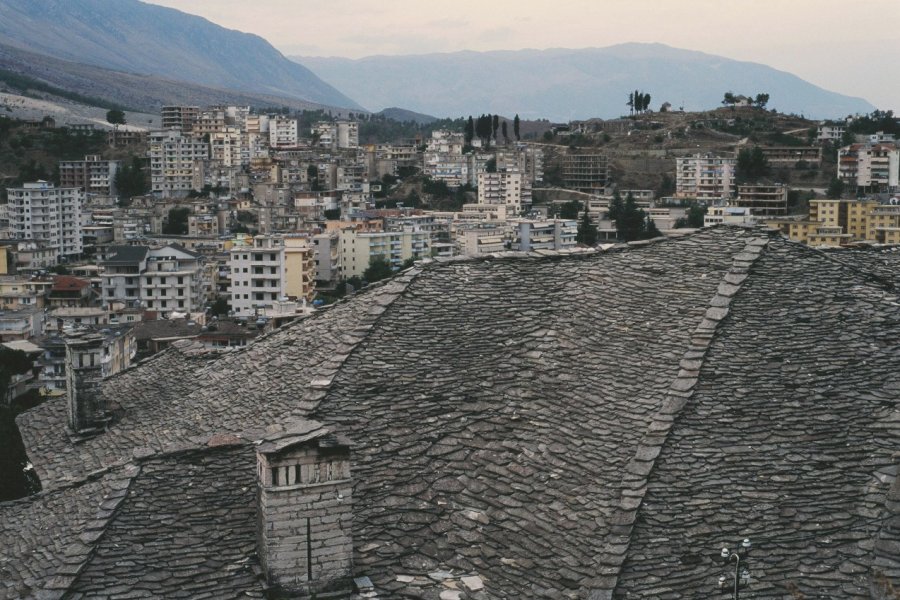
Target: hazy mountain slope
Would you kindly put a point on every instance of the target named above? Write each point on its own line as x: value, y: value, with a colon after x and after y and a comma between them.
x: 569, y: 84
x: 138, y: 92
x: 132, y: 36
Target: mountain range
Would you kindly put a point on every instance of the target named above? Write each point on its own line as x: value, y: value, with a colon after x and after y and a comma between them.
x: 562, y: 84
x: 145, y: 39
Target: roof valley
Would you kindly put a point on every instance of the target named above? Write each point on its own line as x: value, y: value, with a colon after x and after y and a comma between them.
x: 382, y: 300
x: 614, y: 550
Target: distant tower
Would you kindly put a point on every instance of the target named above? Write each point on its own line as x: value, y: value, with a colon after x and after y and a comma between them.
x: 305, y: 510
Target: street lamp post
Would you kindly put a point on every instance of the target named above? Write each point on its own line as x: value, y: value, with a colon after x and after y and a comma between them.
x: 740, y: 557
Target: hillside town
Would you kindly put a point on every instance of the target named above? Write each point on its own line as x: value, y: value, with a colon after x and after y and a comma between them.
x: 227, y: 232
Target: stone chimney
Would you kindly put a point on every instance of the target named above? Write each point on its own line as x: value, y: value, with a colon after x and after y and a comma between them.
x: 305, y: 510
x: 84, y: 373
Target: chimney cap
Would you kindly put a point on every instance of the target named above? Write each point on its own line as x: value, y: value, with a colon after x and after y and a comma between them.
x: 299, y: 432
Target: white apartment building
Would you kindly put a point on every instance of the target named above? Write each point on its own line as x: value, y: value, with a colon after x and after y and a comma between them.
x: 556, y: 234
x: 337, y: 134
x: 875, y: 167
x: 358, y: 249
x: 172, y: 159
x: 121, y: 274
x: 258, y: 275
x: 174, y: 281
x: 283, y: 132
x: 42, y: 212
x: 509, y: 188
x: 704, y: 176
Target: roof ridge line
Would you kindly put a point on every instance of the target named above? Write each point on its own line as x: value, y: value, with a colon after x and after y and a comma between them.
x: 382, y: 299
x: 874, y: 277
x: 78, y: 556
x: 638, y: 469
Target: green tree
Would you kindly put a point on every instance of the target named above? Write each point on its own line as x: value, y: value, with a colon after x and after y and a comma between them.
x: 516, y: 123
x: 379, y: 268
x: 751, y: 165
x: 630, y: 103
x: 835, y: 189
x: 131, y: 179
x: 495, y: 125
x: 220, y: 307
x: 650, y: 229
x: 312, y: 176
x: 762, y: 100
x: 570, y: 209
x: 470, y: 131
x: 115, y: 117
x: 729, y: 99
x: 616, y: 206
x: 505, y: 132
x: 645, y: 102
x: 15, y: 481
x: 630, y: 223
x: 587, y: 231
x: 177, y: 221
x: 491, y: 165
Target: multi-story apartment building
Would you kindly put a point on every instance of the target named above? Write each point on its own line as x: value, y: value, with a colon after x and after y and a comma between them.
x: 174, y: 281
x: 555, y: 234
x: 763, y: 200
x: 336, y: 135
x: 283, y: 132
x: 792, y: 155
x: 93, y: 175
x: 180, y: 117
x: 830, y: 132
x: 358, y: 249
x: 587, y: 173
x: 873, y: 167
x: 172, y: 159
x: 203, y: 225
x: 120, y: 278
x: 327, y: 258
x: 883, y: 224
x: 258, y: 276
x: 704, y: 176
x: 299, y: 268
x: 42, y: 212
x: 510, y: 188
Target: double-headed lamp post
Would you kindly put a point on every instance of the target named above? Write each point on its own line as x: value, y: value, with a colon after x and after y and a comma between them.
x: 740, y: 557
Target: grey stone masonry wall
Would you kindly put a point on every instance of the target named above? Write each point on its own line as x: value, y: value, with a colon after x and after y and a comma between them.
x: 83, y: 379
x: 305, y: 516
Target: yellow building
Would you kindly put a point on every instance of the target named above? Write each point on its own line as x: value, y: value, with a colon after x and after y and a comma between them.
x: 839, y: 222
x: 882, y: 218
x: 4, y: 258
x: 299, y: 268
x: 358, y: 249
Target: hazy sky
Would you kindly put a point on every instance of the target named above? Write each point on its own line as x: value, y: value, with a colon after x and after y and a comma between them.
x: 847, y: 47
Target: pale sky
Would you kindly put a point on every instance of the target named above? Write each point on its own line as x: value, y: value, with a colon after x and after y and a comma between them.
x: 847, y: 47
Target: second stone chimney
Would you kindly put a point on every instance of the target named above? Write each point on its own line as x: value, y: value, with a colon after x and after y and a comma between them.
x: 305, y: 510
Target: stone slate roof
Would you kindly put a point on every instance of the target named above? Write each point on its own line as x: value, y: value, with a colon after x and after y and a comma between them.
x: 591, y: 426
x: 120, y: 255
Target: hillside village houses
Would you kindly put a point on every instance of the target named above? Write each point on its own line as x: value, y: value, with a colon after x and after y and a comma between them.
x: 267, y: 214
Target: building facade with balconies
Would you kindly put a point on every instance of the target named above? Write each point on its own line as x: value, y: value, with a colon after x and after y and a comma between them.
x: 704, y: 176
x: 42, y: 212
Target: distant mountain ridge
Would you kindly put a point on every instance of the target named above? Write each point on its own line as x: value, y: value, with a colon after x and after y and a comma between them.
x: 135, y: 37
x: 563, y: 84
x: 145, y: 93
